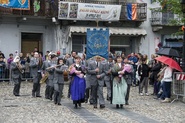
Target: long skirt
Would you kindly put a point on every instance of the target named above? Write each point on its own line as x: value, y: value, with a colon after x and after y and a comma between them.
x: 78, y: 87
x: 119, y: 90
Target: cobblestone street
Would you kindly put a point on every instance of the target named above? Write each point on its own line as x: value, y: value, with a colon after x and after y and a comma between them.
x: 141, y: 109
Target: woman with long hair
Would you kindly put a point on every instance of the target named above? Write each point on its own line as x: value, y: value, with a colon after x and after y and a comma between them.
x: 119, y: 86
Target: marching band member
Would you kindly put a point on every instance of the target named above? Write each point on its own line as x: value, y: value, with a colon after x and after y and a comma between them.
x: 50, y: 70
x: 96, y: 70
x: 78, y: 84
x: 44, y: 72
x: 107, y: 77
x: 59, y: 81
x: 16, y: 68
x: 35, y: 66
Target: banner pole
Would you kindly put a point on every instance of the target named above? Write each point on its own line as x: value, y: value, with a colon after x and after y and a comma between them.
x: 97, y: 23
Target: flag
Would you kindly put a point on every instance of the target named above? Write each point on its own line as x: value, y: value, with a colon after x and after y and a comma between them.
x: 131, y: 11
x: 97, y: 43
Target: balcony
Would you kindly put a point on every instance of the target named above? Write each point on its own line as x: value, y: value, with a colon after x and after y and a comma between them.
x: 163, y: 18
x: 50, y: 9
x: 47, y: 9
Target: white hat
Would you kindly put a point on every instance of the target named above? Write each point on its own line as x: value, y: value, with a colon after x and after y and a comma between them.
x: 16, y: 59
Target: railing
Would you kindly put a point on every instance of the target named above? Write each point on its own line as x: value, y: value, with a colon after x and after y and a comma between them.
x: 162, y: 18
x: 50, y: 9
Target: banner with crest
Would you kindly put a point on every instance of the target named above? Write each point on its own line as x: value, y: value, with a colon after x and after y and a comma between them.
x: 97, y: 42
x: 15, y: 4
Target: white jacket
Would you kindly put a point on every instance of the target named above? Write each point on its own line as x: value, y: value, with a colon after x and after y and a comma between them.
x: 167, y: 75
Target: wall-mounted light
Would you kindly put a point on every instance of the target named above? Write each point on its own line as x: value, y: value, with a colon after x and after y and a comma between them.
x: 74, y: 21
x: 54, y: 19
x: 109, y: 22
x: 24, y: 18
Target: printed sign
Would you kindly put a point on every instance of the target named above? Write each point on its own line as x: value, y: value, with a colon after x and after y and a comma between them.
x: 86, y: 11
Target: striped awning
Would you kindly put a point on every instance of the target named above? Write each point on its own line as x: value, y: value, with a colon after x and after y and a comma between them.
x: 113, y: 30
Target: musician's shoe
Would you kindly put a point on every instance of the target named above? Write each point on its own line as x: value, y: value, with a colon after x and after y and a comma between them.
x: 59, y: 104
x: 117, y: 106
x: 126, y: 103
x: 102, y: 106
x: 17, y: 95
x: 121, y: 106
x: 38, y: 96
x: 95, y: 106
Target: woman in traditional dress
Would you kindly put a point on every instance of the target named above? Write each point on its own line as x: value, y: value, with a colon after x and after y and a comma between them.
x: 119, y: 86
x: 78, y: 84
x: 59, y: 80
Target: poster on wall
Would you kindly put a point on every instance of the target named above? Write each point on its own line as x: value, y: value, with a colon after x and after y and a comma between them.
x: 16, y: 4
x: 97, y: 43
x: 87, y: 11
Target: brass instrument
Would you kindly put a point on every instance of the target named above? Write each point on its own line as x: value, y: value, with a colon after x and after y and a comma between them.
x: 43, y: 79
x: 20, y: 67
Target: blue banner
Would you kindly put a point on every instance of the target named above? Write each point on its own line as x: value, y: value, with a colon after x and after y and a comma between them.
x: 16, y: 4
x: 97, y: 43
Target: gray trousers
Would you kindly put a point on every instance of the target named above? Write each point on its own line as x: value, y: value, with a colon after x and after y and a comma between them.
x: 36, y: 85
x: 58, y: 91
x: 17, y: 85
x: 108, y: 86
x: 144, y: 84
x: 100, y: 95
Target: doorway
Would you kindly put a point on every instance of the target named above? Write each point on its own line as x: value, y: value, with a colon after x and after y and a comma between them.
x: 29, y: 41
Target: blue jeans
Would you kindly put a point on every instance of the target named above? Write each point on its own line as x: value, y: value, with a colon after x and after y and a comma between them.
x: 167, y: 89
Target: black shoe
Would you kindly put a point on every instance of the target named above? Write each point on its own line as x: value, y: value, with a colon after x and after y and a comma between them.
x: 108, y: 98
x: 86, y: 100
x: 68, y: 96
x: 38, y: 96
x: 59, y: 103
x: 126, y: 103
x: 17, y: 95
x: 76, y: 106
x: 121, y: 106
x: 117, y: 106
x: 79, y: 104
x: 95, y: 106
x: 102, y: 106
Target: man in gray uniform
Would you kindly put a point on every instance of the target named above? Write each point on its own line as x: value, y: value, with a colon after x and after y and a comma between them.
x: 51, y: 70
x: 44, y: 72
x: 107, y: 77
x: 36, y: 74
x: 69, y: 62
x: 97, y: 74
x: 16, y: 68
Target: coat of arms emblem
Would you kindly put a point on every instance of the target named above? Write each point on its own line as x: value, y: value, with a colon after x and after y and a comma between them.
x: 22, y: 2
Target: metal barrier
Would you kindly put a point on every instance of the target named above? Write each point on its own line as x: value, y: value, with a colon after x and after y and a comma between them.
x: 178, y: 85
x: 5, y: 73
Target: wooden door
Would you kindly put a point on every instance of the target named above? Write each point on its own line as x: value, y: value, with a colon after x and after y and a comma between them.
x: 28, y: 46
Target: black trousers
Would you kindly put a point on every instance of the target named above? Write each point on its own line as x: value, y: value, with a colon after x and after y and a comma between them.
x: 94, y: 99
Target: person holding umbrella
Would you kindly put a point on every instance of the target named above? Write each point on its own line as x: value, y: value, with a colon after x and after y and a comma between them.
x: 167, y: 78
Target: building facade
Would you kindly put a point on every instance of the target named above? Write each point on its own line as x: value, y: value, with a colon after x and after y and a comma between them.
x: 22, y: 30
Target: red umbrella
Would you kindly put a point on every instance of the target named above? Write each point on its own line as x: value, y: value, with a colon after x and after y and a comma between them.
x: 170, y: 62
